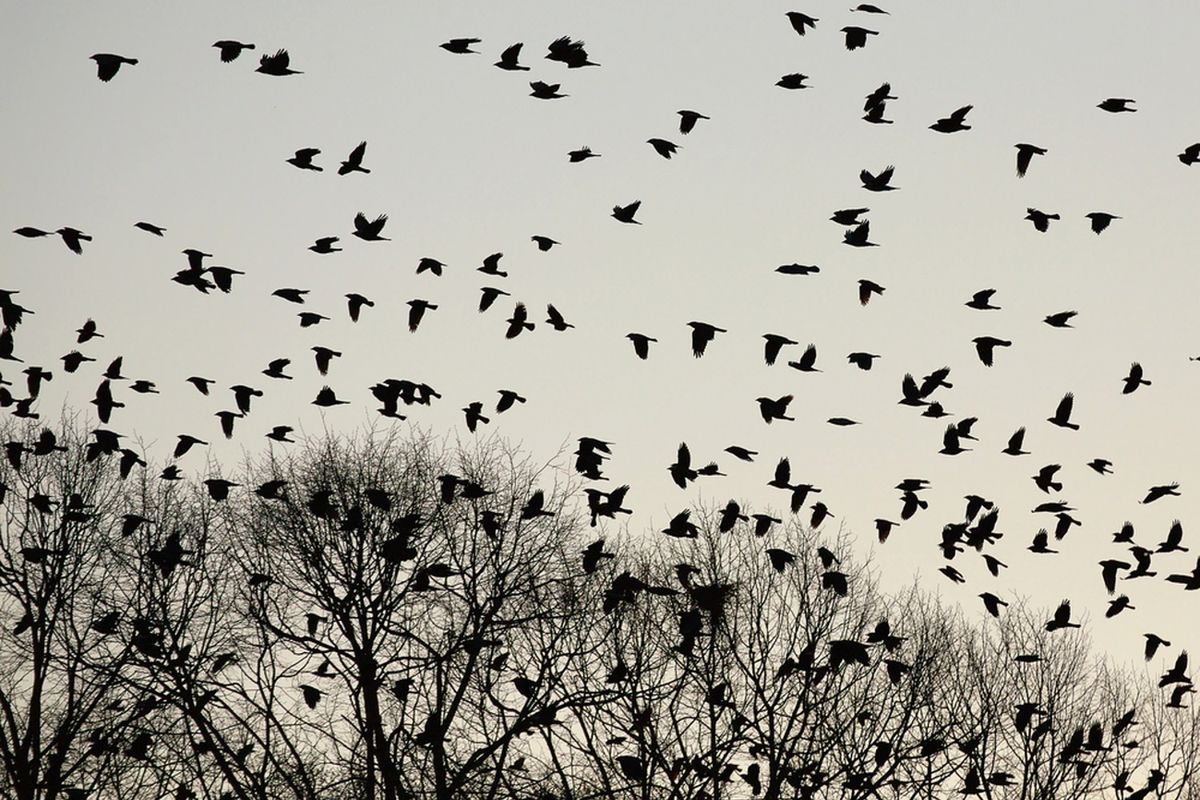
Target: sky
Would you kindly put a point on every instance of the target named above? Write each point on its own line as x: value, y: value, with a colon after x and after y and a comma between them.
x: 466, y: 164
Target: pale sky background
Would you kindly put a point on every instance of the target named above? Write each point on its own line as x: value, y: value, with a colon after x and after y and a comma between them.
x: 465, y: 163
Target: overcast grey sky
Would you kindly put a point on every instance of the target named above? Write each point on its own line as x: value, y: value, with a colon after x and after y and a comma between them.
x: 466, y: 163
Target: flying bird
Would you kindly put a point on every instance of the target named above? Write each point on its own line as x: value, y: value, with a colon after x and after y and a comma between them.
x: 460, y: 46
x: 353, y: 162
x: 856, y: 37
x: 509, y: 59
x: 369, y: 230
x: 688, y: 119
x: 107, y: 65
x: 625, y: 213
x: 278, y: 64
x: 1025, y: 154
x: 1116, y: 105
x: 702, y: 334
x: 1040, y: 219
x: 953, y: 123
x: 231, y: 49
x: 801, y: 22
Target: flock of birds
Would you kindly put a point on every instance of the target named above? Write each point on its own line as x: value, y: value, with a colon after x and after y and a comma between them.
x: 976, y: 532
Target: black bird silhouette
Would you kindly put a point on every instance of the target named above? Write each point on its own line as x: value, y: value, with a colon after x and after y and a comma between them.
x: 741, y: 453
x: 581, y: 154
x: 702, y: 334
x: 880, y: 182
x: 150, y: 227
x: 626, y: 213
x: 1157, y: 492
x: 774, y: 343
x: 866, y: 288
x: 663, y: 147
x: 992, y: 603
x: 1061, y: 320
x: 355, y: 303
x: 327, y: 399
x: 518, y: 322
x: 985, y: 345
x: 416, y: 311
x: 460, y: 46
x: 808, y: 360
x: 801, y: 22
x: 1025, y: 154
x: 793, y: 80
x: 291, y: 295
x: 1101, y: 465
x: 1153, y: 642
x: 303, y: 159
x: 508, y: 58
x: 879, y: 97
x: 544, y: 243
x: 953, y: 123
x: 1040, y: 219
x: 1013, y: 448
x: 641, y: 344
x: 1062, y: 414
x: 369, y: 231
x: 1062, y: 618
x: 869, y: 9
x: 859, y: 235
x: 1100, y: 220
x: 862, y: 360
x: 797, y: 269
x: 201, y: 384
x: 982, y: 300
x: 353, y: 162
x: 231, y: 49
x: 1172, y: 542
x: 1190, y: 154
x: 571, y: 53
x: 545, y: 91
x: 681, y: 470
x: 688, y: 120
x: 325, y: 245
x: 1116, y: 105
x: 856, y: 37
x: 491, y: 266
x: 555, y: 319
x: 107, y: 65
x: 773, y: 409
x: 1134, y: 379
x: 1108, y: 573
x: 73, y: 239
x: 427, y: 264
x: 278, y: 64
x: 227, y: 418
x: 950, y: 442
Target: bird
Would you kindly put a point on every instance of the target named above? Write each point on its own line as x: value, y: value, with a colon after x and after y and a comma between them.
x: 688, y: 120
x: 544, y: 243
x: 427, y: 264
x: 302, y: 159
x: 859, y: 235
x: 509, y: 58
x: 73, y: 238
x: 1101, y: 465
x: 416, y: 312
x: 862, y: 360
x: 951, y: 446
x: 1158, y: 492
x: 555, y: 319
x: 1062, y: 618
x: 1190, y: 154
x: 355, y: 303
x: 1015, y: 442
x: 663, y: 147
x: 1062, y: 414
x: 1116, y: 105
x: 866, y: 288
x: 982, y: 300
x: 808, y: 360
x: 626, y: 213
x: 491, y: 266
x: 797, y: 269
x: 1109, y: 569
x: 1040, y: 219
x: 460, y: 46
x: 1134, y: 379
x: 231, y: 49
x: 1062, y: 319
x: 880, y: 182
x: 702, y: 334
x: 1172, y: 542
x: 518, y: 322
x: 278, y: 64
x: 641, y: 344
x: 325, y: 245
x: 953, y: 123
x: 793, y: 80
x: 327, y: 399
x: 353, y: 162
x: 107, y: 65
x: 985, y: 345
x: 856, y: 37
x: 992, y: 603
x: 545, y: 91
x: 1025, y: 154
x: 369, y: 230
x: 801, y: 22
x: 150, y: 227
x: 773, y: 409
x: 774, y: 343
x: 1100, y: 220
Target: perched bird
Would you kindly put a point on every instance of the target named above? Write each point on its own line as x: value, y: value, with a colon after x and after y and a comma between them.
x: 278, y: 64
x: 107, y: 65
x: 231, y: 49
